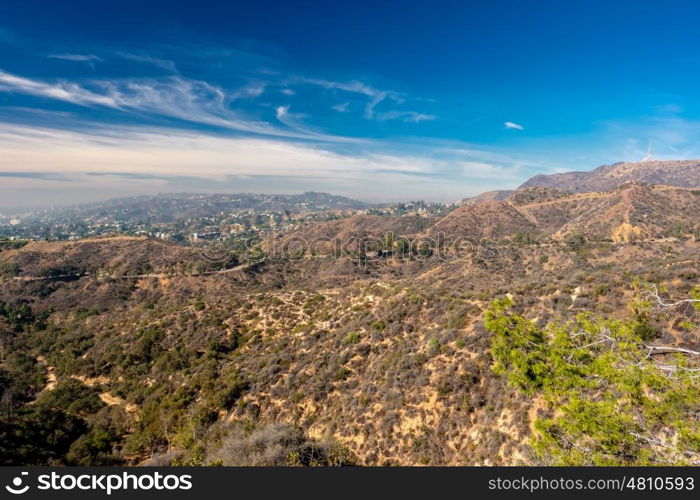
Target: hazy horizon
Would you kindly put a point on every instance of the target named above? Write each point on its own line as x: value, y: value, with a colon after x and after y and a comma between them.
x: 64, y: 199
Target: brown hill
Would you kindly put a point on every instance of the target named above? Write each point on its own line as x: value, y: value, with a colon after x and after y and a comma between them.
x: 351, y: 232
x: 116, y: 255
x: 630, y: 213
x: 497, y: 195
x: 366, y: 224
x: 393, y: 364
x: 680, y: 173
x: 490, y: 219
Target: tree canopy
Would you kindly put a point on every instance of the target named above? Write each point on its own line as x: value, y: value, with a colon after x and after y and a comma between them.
x: 611, y: 396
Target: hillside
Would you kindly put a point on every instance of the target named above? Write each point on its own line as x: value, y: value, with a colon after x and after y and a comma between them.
x: 628, y: 213
x: 356, y: 338
x: 487, y: 196
x: 680, y: 173
x: 489, y: 219
x: 387, y: 357
x: 168, y: 207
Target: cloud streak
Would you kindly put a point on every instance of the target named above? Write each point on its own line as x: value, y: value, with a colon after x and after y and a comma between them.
x: 375, y: 98
x: 165, y: 64
x: 407, y: 116
x: 175, y: 97
x: 342, y: 107
x: 513, y: 126
x: 41, y: 154
x: 87, y: 58
x: 61, y: 90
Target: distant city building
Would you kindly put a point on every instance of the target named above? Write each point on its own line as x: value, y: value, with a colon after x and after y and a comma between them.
x: 213, y: 235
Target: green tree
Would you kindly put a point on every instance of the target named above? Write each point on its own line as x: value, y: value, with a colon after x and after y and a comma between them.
x: 612, y: 398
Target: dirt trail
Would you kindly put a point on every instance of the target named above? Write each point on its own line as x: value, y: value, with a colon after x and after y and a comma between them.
x: 132, y: 276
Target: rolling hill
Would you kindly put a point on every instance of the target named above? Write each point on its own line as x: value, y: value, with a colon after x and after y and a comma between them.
x: 130, y: 350
x: 679, y: 173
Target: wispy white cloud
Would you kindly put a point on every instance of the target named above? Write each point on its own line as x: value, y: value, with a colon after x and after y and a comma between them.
x: 87, y: 58
x: 61, y: 90
x: 176, y: 97
x: 165, y: 64
x: 374, y: 102
x: 672, y: 137
x: 342, y: 107
x: 407, y: 116
x: 354, y: 86
x: 513, y: 126
x: 281, y: 112
x: 167, y: 154
x: 250, y: 91
x: 375, y: 98
x: 295, y: 121
x: 162, y: 153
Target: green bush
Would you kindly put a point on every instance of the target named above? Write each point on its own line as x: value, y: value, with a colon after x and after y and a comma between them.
x: 352, y: 338
x: 610, y: 401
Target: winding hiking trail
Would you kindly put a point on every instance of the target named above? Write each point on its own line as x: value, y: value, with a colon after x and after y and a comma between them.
x: 134, y: 276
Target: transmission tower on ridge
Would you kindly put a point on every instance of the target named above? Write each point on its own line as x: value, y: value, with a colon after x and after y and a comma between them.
x: 649, y: 156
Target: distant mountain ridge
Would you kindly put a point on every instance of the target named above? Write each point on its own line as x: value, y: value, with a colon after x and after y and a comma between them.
x: 628, y: 213
x: 174, y: 206
x: 676, y: 173
x: 496, y: 194
x: 631, y: 212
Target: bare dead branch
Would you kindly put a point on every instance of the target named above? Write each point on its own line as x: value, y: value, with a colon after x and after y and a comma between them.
x: 654, y: 294
x: 653, y: 350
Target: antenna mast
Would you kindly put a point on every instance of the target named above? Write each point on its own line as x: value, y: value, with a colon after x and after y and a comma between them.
x: 650, y: 155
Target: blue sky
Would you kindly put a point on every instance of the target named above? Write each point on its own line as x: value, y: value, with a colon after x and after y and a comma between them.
x: 375, y: 100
